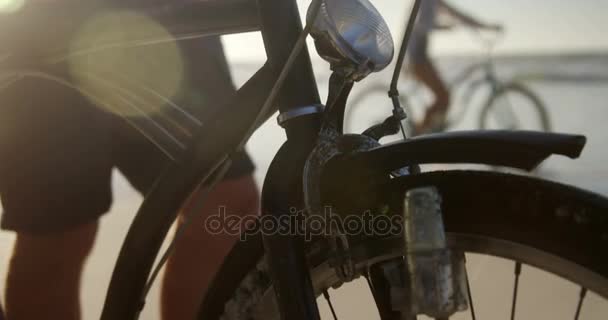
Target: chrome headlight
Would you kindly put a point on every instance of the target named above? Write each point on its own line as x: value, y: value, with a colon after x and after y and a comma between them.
x: 352, y: 36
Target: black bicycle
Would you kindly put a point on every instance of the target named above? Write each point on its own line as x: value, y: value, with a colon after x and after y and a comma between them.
x: 417, y: 268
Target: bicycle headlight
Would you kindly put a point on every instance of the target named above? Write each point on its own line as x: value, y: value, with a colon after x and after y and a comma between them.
x: 352, y: 36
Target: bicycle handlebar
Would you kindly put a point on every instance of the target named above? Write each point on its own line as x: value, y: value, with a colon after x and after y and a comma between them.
x: 489, y: 39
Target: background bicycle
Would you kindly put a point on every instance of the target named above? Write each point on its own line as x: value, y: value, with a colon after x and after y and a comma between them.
x: 498, y: 102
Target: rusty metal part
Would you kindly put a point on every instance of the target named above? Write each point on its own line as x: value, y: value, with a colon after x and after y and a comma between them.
x: 437, y: 286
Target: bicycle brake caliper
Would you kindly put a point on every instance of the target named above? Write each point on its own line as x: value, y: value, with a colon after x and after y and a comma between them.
x: 435, y: 274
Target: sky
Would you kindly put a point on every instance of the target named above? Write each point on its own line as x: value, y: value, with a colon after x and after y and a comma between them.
x: 531, y: 26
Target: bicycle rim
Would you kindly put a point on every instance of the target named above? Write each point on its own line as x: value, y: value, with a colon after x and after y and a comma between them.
x: 255, y: 296
x: 514, y: 107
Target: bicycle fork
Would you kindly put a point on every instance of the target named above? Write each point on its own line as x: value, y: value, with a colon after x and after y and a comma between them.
x: 430, y: 279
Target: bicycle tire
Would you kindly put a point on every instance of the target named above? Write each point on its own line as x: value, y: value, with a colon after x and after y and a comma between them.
x: 518, y: 88
x: 555, y: 227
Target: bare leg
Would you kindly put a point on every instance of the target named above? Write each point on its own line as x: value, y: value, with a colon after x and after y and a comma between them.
x: 198, y: 255
x: 427, y: 74
x: 44, y: 274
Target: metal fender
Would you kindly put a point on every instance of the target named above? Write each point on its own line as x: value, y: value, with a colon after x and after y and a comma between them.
x: 516, y: 149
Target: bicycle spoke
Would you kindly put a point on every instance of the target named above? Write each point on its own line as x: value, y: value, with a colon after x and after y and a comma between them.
x: 580, y: 302
x: 515, y: 288
x: 466, y: 274
x: 331, y: 307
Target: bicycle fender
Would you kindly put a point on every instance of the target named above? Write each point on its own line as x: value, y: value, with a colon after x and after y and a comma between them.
x: 516, y: 149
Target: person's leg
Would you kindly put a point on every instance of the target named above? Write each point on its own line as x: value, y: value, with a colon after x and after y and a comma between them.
x: 426, y: 72
x: 198, y: 254
x: 423, y: 69
x: 43, y: 281
x: 54, y: 184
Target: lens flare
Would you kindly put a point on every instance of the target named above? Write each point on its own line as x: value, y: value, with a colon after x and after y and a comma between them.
x: 10, y: 6
x: 101, y: 63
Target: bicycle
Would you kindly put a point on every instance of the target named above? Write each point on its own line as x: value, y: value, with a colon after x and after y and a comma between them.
x: 552, y: 226
x: 508, y: 104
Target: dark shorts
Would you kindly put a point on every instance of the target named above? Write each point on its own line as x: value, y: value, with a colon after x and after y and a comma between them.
x: 58, y: 150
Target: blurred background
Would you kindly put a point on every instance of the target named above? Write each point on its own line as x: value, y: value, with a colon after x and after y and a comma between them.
x: 559, y: 47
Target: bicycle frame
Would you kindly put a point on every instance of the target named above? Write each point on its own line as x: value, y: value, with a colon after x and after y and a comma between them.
x: 486, y: 68
x: 279, y: 22
x: 488, y: 76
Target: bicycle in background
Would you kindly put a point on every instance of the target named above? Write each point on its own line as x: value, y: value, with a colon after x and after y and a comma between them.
x: 508, y: 104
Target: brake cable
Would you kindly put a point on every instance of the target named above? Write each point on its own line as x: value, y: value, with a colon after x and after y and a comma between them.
x: 393, y: 92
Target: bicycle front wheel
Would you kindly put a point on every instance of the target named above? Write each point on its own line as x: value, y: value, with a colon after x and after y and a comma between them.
x: 514, y: 107
x: 535, y: 223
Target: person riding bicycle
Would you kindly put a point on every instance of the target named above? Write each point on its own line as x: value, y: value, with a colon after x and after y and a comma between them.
x: 421, y: 64
x: 58, y: 152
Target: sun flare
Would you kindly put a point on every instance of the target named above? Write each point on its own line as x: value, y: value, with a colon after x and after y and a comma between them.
x: 10, y: 6
x: 102, y: 64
